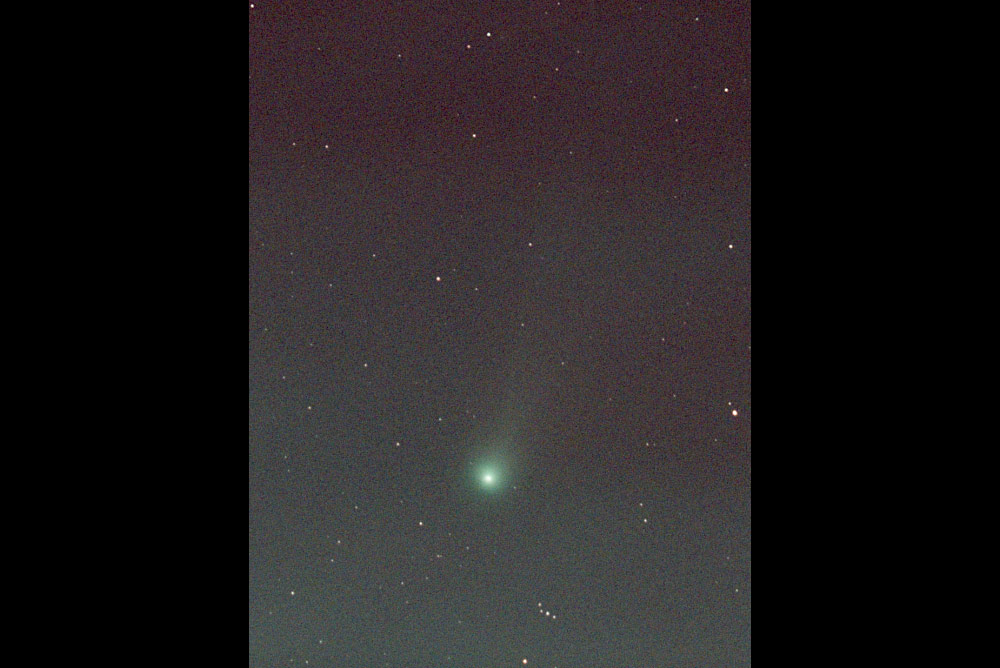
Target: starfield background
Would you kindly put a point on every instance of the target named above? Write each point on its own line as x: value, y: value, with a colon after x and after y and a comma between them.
x: 499, y: 334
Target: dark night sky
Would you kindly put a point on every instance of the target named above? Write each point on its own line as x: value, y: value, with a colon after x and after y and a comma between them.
x: 506, y: 239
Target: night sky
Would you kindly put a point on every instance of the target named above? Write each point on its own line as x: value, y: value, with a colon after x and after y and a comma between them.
x: 499, y: 327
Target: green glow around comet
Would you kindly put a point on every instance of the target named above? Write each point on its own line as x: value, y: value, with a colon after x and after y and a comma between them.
x: 489, y: 476
x: 491, y: 470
